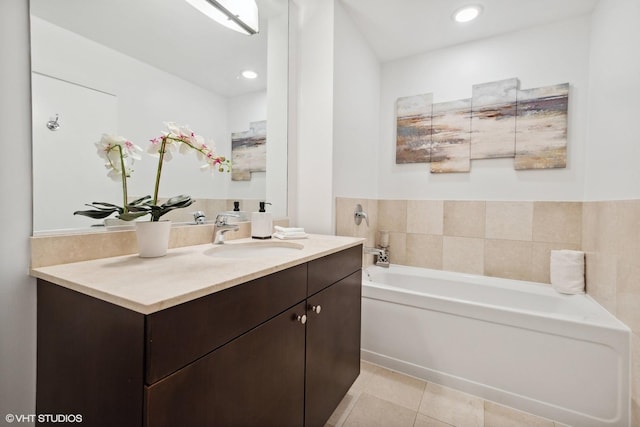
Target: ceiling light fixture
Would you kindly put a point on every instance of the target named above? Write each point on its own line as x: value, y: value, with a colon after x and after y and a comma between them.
x: 239, y: 15
x: 467, y: 13
x: 249, y: 74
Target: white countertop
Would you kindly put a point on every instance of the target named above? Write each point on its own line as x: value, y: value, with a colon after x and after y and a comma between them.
x: 147, y: 285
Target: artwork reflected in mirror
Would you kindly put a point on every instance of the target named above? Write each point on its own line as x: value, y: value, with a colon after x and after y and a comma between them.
x: 249, y: 151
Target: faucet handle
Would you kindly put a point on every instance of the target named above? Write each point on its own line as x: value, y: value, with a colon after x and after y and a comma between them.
x: 221, y: 218
x: 199, y: 217
x: 358, y: 214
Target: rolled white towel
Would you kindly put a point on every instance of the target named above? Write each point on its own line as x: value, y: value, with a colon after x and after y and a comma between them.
x: 289, y: 229
x: 289, y: 236
x: 567, y: 271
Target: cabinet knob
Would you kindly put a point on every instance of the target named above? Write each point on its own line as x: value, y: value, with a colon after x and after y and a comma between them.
x: 302, y: 319
x: 316, y: 308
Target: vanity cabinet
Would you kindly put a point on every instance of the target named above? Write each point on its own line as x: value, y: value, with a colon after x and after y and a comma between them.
x: 281, y: 350
x: 333, y: 347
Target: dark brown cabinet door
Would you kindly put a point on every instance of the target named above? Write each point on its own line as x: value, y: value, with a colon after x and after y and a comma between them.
x: 333, y: 347
x: 255, y: 380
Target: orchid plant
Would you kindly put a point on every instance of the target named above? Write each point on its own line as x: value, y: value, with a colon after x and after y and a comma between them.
x: 163, y: 147
x: 120, y: 153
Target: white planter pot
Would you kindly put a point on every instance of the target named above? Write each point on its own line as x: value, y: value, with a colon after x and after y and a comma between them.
x: 153, y: 238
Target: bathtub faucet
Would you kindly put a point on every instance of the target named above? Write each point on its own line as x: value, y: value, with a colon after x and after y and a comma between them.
x: 382, y: 255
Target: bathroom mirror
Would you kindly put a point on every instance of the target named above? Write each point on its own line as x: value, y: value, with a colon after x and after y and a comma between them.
x: 125, y: 68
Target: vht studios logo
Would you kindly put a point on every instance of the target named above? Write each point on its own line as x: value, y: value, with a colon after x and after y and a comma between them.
x: 43, y: 418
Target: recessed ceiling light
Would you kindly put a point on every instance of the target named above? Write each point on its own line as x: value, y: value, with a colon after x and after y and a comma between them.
x: 248, y: 74
x: 467, y: 13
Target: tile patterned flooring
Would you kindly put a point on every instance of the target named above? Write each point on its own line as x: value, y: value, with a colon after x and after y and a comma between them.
x: 384, y: 398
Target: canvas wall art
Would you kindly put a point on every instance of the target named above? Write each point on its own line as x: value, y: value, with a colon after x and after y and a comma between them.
x: 493, y: 122
x: 499, y: 121
x: 413, y: 129
x: 451, y: 136
x: 541, y: 139
x: 249, y: 151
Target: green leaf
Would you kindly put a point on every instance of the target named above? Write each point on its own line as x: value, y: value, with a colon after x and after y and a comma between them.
x: 139, y: 201
x: 95, y: 214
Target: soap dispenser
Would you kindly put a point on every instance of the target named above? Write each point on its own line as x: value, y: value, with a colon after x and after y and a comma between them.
x: 261, y: 223
x: 239, y: 216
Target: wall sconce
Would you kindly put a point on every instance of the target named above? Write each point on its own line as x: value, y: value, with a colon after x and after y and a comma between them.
x: 239, y: 15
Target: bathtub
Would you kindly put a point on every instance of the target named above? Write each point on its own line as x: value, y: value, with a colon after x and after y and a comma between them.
x: 520, y: 344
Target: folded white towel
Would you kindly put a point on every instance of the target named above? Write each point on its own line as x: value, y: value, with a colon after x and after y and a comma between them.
x: 289, y: 236
x: 567, y: 271
x: 289, y: 229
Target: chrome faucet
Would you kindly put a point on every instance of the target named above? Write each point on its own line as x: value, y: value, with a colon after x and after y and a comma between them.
x: 381, y: 253
x: 220, y: 227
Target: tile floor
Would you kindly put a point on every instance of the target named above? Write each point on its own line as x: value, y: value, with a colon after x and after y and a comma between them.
x: 385, y: 398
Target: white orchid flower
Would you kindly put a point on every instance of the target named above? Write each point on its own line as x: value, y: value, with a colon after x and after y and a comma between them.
x: 110, y: 147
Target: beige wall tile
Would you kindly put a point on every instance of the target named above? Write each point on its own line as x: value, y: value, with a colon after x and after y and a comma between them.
x: 541, y: 259
x: 589, y: 226
x: 601, y: 279
x: 425, y: 216
x: 628, y: 225
x: 62, y: 249
x: 463, y: 255
x: 628, y: 294
x: 392, y: 215
x: 398, y: 248
x: 464, y: 218
x: 501, y: 416
x: 345, y: 224
x: 557, y: 222
x: 509, y: 220
x: 508, y: 258
x: 424, y: 250
x: 606, y: 227
x: 452, y: 406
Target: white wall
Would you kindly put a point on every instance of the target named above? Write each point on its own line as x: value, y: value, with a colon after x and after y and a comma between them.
x: 277, y: 120
x: 314, y: 163
x: 539, y: 56
x: 17, y: 289
x: 613, y: 171
x: 356, y: 107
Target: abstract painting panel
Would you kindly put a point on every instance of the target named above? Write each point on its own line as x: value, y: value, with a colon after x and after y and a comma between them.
x: 493, y: 121
x: 249, y: 151
x: 451, y: 136
x: 541, y: 140
x: 413, y: 131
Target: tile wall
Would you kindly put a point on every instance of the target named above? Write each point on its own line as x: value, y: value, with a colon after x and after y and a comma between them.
x: 611, y: 240
x: 514, y: 240
x: 500, y: 239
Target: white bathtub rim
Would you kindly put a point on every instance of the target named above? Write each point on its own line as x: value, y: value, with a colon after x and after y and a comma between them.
x: 483, y: 312
x: 604, y: 320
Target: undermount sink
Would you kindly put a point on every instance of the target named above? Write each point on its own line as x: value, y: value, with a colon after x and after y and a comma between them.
x: 257, y: 249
